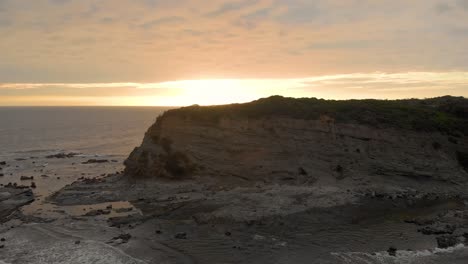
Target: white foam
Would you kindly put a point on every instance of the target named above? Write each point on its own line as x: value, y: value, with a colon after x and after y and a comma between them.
x: 401, y: 257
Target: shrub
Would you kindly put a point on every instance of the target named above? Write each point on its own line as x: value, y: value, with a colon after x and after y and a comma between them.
x: 444, y: 114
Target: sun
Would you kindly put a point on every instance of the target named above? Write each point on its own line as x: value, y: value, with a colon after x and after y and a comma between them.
x: 210, y: 92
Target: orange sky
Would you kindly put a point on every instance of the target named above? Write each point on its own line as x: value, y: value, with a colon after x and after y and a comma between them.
x: 178, y: 52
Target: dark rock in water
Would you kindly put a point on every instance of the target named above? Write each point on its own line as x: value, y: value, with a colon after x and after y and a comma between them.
x: 33, y: 185
x: 228, y: 233
x: 93, y: 180
x: 91, y: 161
x: 20, y: 159
x: 447, y: 241
x: 77, y: 242
x: 123, y: 210
x: 392, y: 251
x: 2, y: 239
x: 158, y: 232
x: 62, y: 155
x: 2, y: 246
x: 26, y: 178
x: 98, y: 212
x: 2, y: 163
x: 1, y: 175
x: 181, y: 235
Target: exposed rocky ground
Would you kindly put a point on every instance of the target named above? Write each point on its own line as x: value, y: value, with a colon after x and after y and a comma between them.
x: 11, y: 199
x: 293, y: 184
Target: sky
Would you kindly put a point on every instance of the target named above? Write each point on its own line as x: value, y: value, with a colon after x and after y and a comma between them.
x: 182, y: 52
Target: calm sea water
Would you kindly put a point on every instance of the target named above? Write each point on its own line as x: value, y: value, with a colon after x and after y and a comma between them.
x: 89, y: 130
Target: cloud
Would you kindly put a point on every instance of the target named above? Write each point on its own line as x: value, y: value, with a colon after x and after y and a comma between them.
x: 218, y: 91
x: 443, y: 8
x: 353, y: 44
x: 299, y: 12
x: 463, y: 4
x: 162, y: 21
x: 230, y: 6
x: 87, y: 41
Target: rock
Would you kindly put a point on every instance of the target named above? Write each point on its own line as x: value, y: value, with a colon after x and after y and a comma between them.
x: 2, y: 246
x: 98, y: 212
x: 123, y: 210
x: 420, y: 222
x: 392, y: 251
x: 33, y: 185
x: 12, y: 200
x: 437, y: 229
x: 258, y: 237
x: 91, y: 161
x: 16, y: 186
x: 62, y: 155
x: 1, y: 175
x: 26, y: 178
x: 158, y: 232
x: 227, y: 233
x: 302, y: 171
x: 3, y: 163
x: 182, y: 235
x: 447, y: 241
x: 180, y: 144
x: 77, y: 242
x: 93, y: 180
x: 2, y: 239
x: 124, y: 238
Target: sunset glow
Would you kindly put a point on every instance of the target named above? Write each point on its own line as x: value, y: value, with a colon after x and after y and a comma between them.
x: 224, y: 91
x: 156, y: 52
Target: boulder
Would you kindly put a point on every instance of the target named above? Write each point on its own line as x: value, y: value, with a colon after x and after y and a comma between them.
x: 447, y: 241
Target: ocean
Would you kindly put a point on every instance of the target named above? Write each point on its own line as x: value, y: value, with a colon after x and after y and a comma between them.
x: 35, y: 131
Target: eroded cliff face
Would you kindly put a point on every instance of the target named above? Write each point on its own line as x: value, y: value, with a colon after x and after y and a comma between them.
x: 296, y: 151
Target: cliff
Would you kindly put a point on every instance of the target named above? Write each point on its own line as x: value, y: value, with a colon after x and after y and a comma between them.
x: 310, y: 141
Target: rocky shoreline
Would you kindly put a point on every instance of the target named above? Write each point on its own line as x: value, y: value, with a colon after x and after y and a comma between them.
x: 239, y: 187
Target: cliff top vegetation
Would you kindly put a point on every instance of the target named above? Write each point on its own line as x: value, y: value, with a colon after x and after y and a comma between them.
x: 446, y: 114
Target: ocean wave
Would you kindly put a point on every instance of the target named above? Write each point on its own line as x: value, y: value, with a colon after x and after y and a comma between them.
x: 38, y: 151
x: 46, y: 152
x: 401, y: 257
